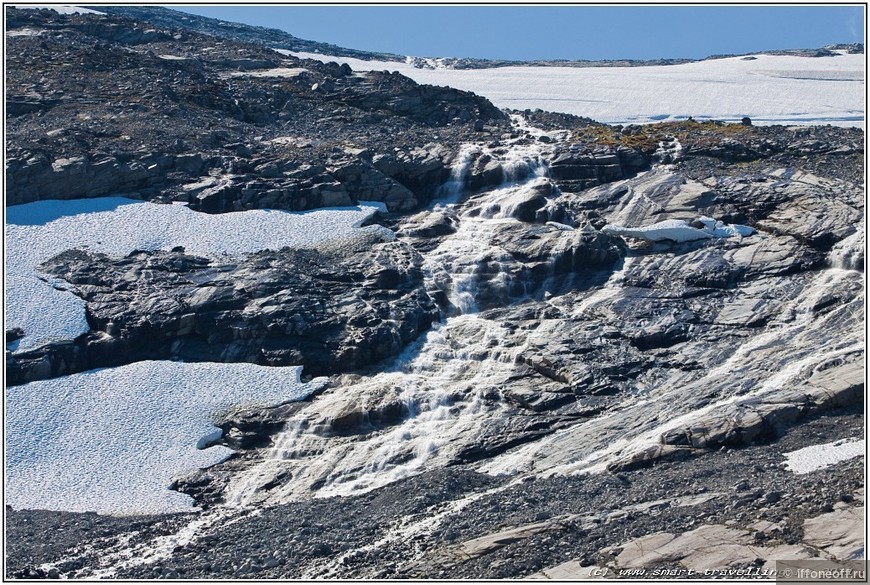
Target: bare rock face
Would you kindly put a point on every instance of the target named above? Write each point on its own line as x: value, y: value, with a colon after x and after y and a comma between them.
x: 327, y: 311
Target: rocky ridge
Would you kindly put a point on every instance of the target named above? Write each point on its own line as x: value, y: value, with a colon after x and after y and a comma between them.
x: 573, y: 391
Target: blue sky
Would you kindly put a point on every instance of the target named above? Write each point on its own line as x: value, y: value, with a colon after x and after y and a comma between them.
x: 558, y: 32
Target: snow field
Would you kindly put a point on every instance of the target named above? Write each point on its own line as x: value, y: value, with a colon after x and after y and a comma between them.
x: 770, y: 89
x: 59, y: 8
x: 111, y: 440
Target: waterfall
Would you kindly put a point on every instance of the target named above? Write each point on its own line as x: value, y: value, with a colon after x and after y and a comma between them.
x: 450, y: 192
x: 461, y: 261
x: 444, y: 381
x: 848, y: 254
x: 441, y: 384
x: 521, y: 163
x: 249, y: 481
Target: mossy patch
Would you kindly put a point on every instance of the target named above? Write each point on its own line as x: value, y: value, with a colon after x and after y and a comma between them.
x: 646, y: 137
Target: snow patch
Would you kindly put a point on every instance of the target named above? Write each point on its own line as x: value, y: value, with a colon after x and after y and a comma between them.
x: 678, y: 230
x: 112, y: 440
x: 35, y: 232
x: 275, y: 72
x: 23, y: 32
x: 816, y: 457
x: 28, y: 297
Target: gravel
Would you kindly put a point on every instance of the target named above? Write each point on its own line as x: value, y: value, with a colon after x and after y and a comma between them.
x: 300, y: 539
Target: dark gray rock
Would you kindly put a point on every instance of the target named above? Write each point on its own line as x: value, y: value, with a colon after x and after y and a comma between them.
x: 326, y: 311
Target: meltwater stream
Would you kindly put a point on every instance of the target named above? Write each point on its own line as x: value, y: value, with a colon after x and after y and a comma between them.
x: 440, y: 384
x: 441, y: 396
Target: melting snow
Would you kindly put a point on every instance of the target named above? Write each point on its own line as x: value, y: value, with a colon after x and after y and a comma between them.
x: 111, y: 440
x: 772, y: 89
x: 275, y: 72
x: 677, y: 230
x: 116, y: 226
x: 815, y: 457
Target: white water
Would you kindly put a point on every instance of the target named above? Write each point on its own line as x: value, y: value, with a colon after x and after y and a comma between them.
x: 452, y: 190
x: 453, y: 381
x: 404, y: 531
x: 454, y: 265
x: 459, y: 372
x: 121, y: 554
x: 443, y: 387
x: 445, y: 381
x: 848, y: 254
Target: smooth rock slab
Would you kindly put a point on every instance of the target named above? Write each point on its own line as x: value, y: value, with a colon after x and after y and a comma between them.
x: 112, y: 440
x: 711, y: 547
x: 840, y: 533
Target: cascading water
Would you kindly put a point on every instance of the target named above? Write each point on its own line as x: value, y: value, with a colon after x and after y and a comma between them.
x: 447, y: 392
x: 440, y: 384
x: 849, y: 253
x: 421, y: 412
x: 456, y: 265
x: 450, y: 192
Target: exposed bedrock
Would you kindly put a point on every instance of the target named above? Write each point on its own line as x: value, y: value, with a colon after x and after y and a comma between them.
x: 575, y: 171
x: 329, y: 311
x: 630, y: 353
x: 511, y: 385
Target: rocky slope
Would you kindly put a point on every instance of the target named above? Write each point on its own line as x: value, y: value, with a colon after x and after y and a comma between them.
x: 514, y: 390
x: 89, y: 98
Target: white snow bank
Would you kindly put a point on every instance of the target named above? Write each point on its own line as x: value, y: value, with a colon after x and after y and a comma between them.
x: 719, y: 229
x: 44, y: 312
x: 677, y: 230
x: 111, y: 440
x: 60, y: 9
x: 275, y: 72
x: 116, y: 226
x: 816, y: 457
x: 771, y: 89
